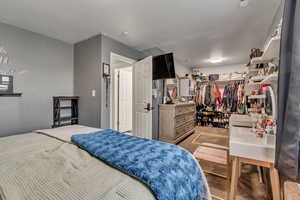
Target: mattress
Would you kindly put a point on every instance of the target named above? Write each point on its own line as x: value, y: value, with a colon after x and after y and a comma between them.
x: 46, y: 165
x: 35, y: 166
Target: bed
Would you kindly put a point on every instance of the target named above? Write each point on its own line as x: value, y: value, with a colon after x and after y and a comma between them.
x: 46, y: 164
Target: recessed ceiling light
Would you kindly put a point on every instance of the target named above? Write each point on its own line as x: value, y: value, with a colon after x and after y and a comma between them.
x: 216, y: 60
x: 244, y: 3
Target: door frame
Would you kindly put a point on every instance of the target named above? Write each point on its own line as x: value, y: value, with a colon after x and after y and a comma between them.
x: 114, y: 56
x: 116, y: 100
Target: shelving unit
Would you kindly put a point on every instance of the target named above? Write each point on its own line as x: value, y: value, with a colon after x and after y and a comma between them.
x: 59, y: 106
x: 270, y: 53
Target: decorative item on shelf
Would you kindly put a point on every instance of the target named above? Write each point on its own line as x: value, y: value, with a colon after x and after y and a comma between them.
x: 172, y: 94
x: 6, y: 84
x: 6, y: 77
x: 213, y: 77
x: 255, y: 52
x: 7, y: 87
x: 271, y: 52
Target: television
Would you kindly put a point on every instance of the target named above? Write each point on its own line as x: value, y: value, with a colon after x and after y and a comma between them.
x: 163, y: 67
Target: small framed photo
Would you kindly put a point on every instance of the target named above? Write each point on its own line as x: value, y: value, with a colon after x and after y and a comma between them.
x: 106, y: 69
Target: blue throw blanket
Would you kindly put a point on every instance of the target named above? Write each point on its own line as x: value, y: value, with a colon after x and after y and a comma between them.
x: 169, y: 171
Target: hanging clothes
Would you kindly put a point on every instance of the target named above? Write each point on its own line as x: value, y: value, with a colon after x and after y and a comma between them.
x: 241, y: 105
x: 218, y: 95
x: 207, y: 96
x: 233, y: 97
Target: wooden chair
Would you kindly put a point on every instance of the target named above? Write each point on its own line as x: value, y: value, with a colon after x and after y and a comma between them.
x: 216, y: 154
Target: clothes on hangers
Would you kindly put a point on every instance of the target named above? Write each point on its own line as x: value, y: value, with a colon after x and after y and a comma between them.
x: 241, y: 105
x: 207, y: 97
x: 233, y: 97
x: 200, y: 94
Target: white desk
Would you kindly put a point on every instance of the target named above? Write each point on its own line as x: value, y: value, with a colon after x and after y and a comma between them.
x: 245, y: 147
x: 244, y: 143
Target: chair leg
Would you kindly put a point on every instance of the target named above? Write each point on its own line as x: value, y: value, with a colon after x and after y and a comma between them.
x: 259, y: 169
x: 240, y: 169
x: 274, y: 176
x: 228, y: 181
x: 235, y: 178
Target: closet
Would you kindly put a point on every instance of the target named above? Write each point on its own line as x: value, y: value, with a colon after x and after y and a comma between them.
x: 217, y: 99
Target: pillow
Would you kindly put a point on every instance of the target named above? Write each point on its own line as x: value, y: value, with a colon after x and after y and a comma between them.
x: 65, y: 133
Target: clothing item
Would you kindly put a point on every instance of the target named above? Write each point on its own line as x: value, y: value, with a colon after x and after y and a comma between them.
x: 207, y: 98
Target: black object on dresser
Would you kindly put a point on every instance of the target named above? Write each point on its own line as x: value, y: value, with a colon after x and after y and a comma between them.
x: 68, y: 105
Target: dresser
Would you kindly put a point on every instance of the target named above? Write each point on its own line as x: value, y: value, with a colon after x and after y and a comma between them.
x: 176, y: 121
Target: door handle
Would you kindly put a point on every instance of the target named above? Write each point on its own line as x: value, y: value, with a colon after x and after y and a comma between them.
x: 149, y: 107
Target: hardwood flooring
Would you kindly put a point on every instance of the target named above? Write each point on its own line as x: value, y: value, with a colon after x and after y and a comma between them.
x: 249, y: 187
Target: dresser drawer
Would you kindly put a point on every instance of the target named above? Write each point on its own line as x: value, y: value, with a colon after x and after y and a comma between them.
x: 185, y: 128
x: 184, y: 109
x: 181, y: 119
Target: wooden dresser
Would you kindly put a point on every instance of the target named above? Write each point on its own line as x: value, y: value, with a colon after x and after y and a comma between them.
x: 176, y: 121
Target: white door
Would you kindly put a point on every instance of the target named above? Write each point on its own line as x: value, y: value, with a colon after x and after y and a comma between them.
x: 125, y: 100
x: 142, y: 98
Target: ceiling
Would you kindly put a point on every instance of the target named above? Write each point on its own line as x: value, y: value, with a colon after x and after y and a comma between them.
x: 195, y: 30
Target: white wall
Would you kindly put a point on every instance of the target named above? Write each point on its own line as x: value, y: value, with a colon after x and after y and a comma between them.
x: 181, y: 69
x: 223, y: 69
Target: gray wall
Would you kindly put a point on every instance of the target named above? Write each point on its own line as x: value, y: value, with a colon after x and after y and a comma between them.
x: 88, y: 58
x: 44, y: 68
x: 110, y: 45
x: 87, y: 77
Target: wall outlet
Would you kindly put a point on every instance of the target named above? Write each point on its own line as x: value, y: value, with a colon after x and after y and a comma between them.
x: 93, y: 93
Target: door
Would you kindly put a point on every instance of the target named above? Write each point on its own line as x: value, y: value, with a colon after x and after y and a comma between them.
x: 142, y: 98
x: 125, y: 100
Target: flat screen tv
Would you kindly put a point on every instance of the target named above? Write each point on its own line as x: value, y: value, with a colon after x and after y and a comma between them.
x: 163, y: 67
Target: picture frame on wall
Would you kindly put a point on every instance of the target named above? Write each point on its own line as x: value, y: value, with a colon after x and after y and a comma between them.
x: 106, y: 70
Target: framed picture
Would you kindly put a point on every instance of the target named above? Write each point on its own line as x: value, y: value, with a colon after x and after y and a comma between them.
x: 106, y: 70
x: 6, y: 84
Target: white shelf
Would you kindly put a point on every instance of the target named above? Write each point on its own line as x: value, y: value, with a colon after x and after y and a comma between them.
x: 261, y: 96
x: 258, y: 78
x: 271, y: 51
x: 270, y: 78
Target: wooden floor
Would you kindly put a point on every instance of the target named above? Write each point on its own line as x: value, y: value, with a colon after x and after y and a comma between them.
x: 249, y: 187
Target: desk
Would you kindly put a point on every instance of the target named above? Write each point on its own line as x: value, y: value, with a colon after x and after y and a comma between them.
x: 245, y: 147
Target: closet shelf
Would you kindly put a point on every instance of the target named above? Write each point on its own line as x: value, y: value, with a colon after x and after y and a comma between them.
x: 270, y: 53
x: 260, y: 96
x: 222, y: 81
x: 264, y: 79
x: 270, y: 79
x: 258, y: 78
